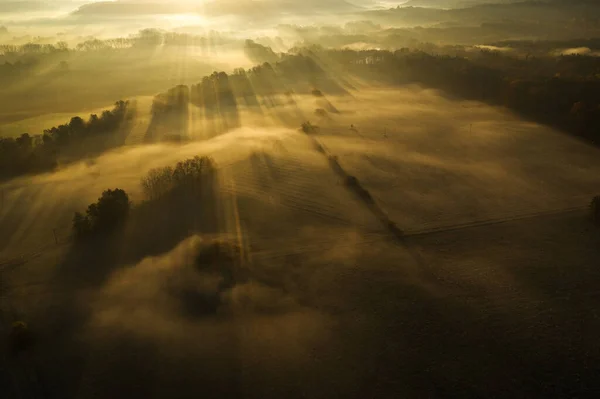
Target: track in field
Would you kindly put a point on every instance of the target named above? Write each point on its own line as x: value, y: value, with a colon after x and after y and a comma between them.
x: 432, y: 228
x: 295, y: 184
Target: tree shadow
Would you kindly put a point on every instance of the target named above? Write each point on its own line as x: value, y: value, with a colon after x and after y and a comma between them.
x: 170, y: 115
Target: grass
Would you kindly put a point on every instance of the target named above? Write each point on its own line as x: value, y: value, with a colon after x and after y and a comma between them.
x: 36, y: 124
x: 493, y: 310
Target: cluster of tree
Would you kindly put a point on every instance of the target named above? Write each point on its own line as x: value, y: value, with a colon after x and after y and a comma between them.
x: 104, y: 216
x: 145, y: 38
x: 33, y: 48
x: 218, y: 94
x: 175, y: 100
x: 170, y: 113
x: 243, y: 88
x: 12, y: 71
x: 78, y: 129
x: 214, y: 94
x: 178, y: 201
x: 189, y: 176
x: 27, y: 154
x: 149, y: 38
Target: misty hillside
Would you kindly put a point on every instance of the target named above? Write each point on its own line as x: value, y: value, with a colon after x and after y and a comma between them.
x: 471, y: 3
x: 543, y: 12
x: 454, y: 3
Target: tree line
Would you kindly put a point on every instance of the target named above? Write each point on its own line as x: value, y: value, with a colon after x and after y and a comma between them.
x: 29, y: 154
x: 144, y: 38
x: 563, y: 92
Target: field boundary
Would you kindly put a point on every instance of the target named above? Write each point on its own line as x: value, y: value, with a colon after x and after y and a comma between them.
x: 492, y: 221
x: 353, y: 184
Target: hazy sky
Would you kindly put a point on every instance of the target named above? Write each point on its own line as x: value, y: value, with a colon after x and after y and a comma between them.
x: 27, y: 16
x: 17, y: 8
x: 85, y: 17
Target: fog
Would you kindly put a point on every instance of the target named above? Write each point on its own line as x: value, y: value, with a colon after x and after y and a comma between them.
x: 316, y: 199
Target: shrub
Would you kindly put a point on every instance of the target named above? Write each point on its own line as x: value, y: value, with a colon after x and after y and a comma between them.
x: 308, y: 127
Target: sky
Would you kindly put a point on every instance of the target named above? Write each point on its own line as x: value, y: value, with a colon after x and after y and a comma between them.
x: 22, y: 16
x: 93, y: 17
x: 20, y: 8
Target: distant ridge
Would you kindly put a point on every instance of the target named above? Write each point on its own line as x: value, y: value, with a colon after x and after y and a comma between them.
x: 472, y: 3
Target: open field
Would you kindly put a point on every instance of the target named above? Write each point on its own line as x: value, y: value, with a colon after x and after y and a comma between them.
x: 37, y: 124
x: 433, y: 161
x: 490, y: 293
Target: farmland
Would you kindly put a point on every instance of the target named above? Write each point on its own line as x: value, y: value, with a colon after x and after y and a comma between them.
x: 497, y: 254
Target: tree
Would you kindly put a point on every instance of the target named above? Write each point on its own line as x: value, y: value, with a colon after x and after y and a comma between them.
x: 189, y: 175
x: 77, y: 125
x: 81, y: 225
x: 110, y: 211
x: 157, y: 182
x: 104, y: 216
x: 191, y: 171
x: 62, y: 46
x: 25, y: 142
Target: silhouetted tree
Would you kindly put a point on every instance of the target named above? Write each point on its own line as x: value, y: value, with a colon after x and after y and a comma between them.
x: 189, y: 175
x: 107, y: 214
x: 157, y: 182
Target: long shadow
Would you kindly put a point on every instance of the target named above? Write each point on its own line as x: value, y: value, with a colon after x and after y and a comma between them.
x: 216, y: 98
x: 170, y: 115
x: 361, y: 193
